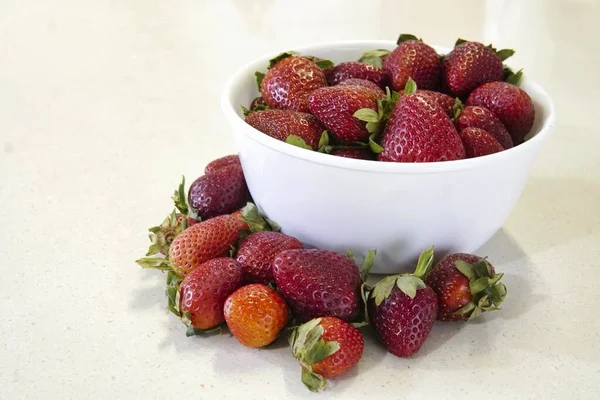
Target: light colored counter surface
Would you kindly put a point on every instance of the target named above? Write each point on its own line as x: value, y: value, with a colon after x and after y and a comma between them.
x: 104, y: 104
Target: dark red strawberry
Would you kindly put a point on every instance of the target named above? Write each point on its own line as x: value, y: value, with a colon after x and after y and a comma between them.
x: 289, y: 81
x: 479, y: 142
x: 466, y: 285
x: 354, y: 69
x: 442, y: 99
x: 257, y: 251
x: 335, y: 106
x: 220, y: 192
x: 480, y: 117
x: 412, y: 59
x: 325, y: 347
x: 402, y: 309
x: 280, y: 124
x: 318, y: 283
x: 469, y: 65
x: 420, y: 131
x: 221, y: 163
x: 204, y: 290
x: 511, y: 104
x: 362, y: 82
x: 358, y: 153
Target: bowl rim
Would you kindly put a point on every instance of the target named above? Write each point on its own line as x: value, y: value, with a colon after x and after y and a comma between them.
x: 238, y: 123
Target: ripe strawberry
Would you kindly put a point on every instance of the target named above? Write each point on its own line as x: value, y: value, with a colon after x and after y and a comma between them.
x: 358, y: 153
x: 466, y: 286
x: 420, y: 131
x: 354, y: 69
x: 469, y: 65
x: 335, y: 106
x: 202, y: 242
x: 280, y: 124
x: 326, y: 347
x: 402, y: 309
x: 255, y: 314
x: 412, y: 59
x: 362, y: 82
x: 479, y: 142
x: 289, y: 81
x: 232, y: 159
x: 509, y: 103
x: 257, y: 251
x: 442, y: 99
x: 220, y: 192
x: 204, y: 290
x: 318, y: 283
x: 480, y: 117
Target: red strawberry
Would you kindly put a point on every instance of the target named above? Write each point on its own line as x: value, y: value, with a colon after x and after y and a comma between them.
x: 469, y: 65
x: 257, y: 252
x: 280, y: 124
x: 360, y: 154
x: 255, y: 315
x: 289, y: 81
x: 479, y: 143
x: 362, y: 82
x: 202, y: 242
x: 335, y: 106
x: 318, y: 283
x: 402, y: 309
x: 232, y: 159
x: 326, y: 347
x: 204, y: 290
x: 511, y: 104
x: 220, y: 192
x: 443, y: 100
x: 354, y: 69
x: 466, y: 286
x: 420, y: 131
x: 412, y: 59
x: 480, y: 117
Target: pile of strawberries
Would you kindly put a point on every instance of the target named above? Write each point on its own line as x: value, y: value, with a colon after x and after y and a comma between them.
x: 400, y: 106
x: 225, y: 263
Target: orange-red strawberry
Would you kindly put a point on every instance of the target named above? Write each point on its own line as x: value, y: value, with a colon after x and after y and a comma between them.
x: 357, y: 153
x: 326, y: 347
x: 412, y: 59
x: 442, y: 99
x: 289, y: 81
x: 479, y: 142
x: 466, y: 285
x: 362, y: 82
x: 358, y: 70
x: 204, y: 290
x: 255, y: 314
x: 219, y: 163
x: 257, y: 251
x: 281, y: 124
x: 480, y: 117
x: 202, y: 242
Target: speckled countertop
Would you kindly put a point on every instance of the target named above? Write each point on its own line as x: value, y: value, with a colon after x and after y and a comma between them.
x: 103, y: 105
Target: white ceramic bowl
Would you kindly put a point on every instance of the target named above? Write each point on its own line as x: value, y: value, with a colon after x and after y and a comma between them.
x: 398, y: 208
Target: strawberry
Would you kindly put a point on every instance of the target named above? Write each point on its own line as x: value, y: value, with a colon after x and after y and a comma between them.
x: 255, y: 314
x: 443, y: 100
x: 335, y: 106
x: 412, y: 59
x: 283, y: 124
x: 402, y: 309
x: 232, y: 159
x: 466, y: 286
x: 471, y: 64
x: 204, y: 290
x: 318, y: 283
x: 350, y: 152
x: 289, y: 81
x: 364, y: 83
x: 479, y: 142
x: 256, y: 253
x: 358, y: 70
x: 511, y: 104
x: 420, y: 131
x: 480, y: 117
x: 220, y: 192
x: 326, y: 347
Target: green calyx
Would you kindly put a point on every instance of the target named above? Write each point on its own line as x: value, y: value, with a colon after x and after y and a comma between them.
x: 308, y: 347
x: 457, y: 109
x: 280, y: 57
x: 259, y: 78
x: 514, y: 78
x: 257, y: 221
x: 324, y: 146
x: 297, y: 141
x: 502, y: 54
x: 459, y: 41
x: 374, y: 57
x: 321, y: 63
x: 179, y: 198
x: 186, y: 318
x: 407, y: 36
x: 487, y: 290
x: 162, y: 236
x: 410, y: 87
x: 376, y: 119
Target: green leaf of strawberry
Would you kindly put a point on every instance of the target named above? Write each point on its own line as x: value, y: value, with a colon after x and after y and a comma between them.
x: 280, y: 57
x: 374, y: 57
x: 457, y: 109
x: 411, y: 86
x: 324, y: 142
x: 375, y: 147
x: 154, y: 263
x: 459, y: 41
x: 505, y: 53
x: 297, y: 141
x: 259, y: 78
x: 179, y: 197
x: 409, y: 284
x: 512, y: 77
x: 324, y: 64
x: 256, y: 221
x: 407, y: 36
x: 367, y: 115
